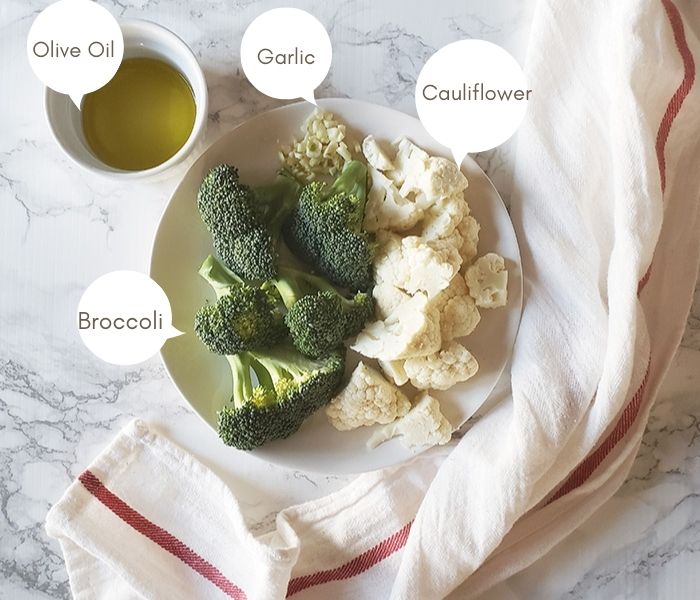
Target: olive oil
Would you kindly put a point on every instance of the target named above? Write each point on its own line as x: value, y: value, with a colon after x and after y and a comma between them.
x: 141, y: 118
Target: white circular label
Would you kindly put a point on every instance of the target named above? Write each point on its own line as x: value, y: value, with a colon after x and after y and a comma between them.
x: 124, y: 317
x: 471, y: 96
x: 286, y: 53
x: 75, y: 47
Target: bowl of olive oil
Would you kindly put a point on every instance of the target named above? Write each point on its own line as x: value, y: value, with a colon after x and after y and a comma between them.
x: 148, y: 118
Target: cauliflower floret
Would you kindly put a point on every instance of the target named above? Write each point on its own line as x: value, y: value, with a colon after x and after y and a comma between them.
x: 413, y: 329
x: 409, y: 163
x: 441, y: 179
x: 387, y: 298
x: 487, y: 279
x: 412, y: 265
x: 459, y: 315
x: 376, y: 157
x: 449, y: 248
x: 366, y: 400
x: 424, y: 425
x: 386, y: 209
x: 443, y: 217
x: 468, y: 228
x: 443, y: 369
x: 454, y: 240
x: 394, y: 370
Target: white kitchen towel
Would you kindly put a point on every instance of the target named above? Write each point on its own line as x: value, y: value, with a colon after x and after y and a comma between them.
x: 606, y: 208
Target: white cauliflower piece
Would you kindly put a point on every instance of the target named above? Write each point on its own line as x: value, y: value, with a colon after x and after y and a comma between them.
x: 454, y: 240
x: 469, y: 229
x: 376, y: 157
x: 443, y: 369
x: 487, y: 279
x: 387, y: 298
x: 443, y: 217
x: 386, y: 208
x: 424, y: 425
x: 442, y: 178
x: 409, y: 164
x: 394, y: 370
x: 412, y: 265
x: 421, y: 201
x: 388, y: 260
x: 459, y: 315
x: 432, y: 267
x: 366, y: 400
x: 413, y: 329
x: 449, y: 248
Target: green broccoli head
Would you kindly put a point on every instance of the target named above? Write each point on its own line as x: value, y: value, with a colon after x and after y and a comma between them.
x: 244, y: 317
x: 290, y: 387
x: 316, y: 323
x: 358, y: 311
x: 224, y: 202
x: 251, y: 254
x: 318, y: 316
x: 320, y: 322
x: 245, y: 222
x: 346, y: 259
x: 325, y: 228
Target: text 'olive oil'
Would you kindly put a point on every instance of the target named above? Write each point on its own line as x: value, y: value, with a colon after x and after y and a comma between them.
x: 141, y: 118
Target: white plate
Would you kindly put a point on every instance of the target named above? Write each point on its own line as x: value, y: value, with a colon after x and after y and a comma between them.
x: 181, y: 244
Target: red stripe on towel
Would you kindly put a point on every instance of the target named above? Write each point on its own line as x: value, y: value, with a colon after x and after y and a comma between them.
x: 586, y: 468
x: 629, y: 414
x: 357, y: 565
x: 676, y: 102
x: 674, y: 105
x: 160, y: 536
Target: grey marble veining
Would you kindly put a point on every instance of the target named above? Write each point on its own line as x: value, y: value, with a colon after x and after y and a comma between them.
x: 61, y: 227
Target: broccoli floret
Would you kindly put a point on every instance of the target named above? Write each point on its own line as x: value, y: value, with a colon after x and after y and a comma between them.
x: 223, y: 200
x: 357, y: 311
x: 289, y: 388
x: 251, y: 254
x: 244, y: 317
x: 321, y: 321
x: 325, y: 228
x: 245, y: 222
x: 319, y: 318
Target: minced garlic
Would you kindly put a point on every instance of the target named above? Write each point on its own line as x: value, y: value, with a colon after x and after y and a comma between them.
x: 323, y: 150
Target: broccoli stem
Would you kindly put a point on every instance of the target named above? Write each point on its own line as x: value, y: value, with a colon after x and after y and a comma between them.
x: 263, y: 375
x: 218, y: 276
x: 281, y: 194
x: 352, y: 181
x: 283, y: 364
x: 242, y: 384
x: 291, y: 288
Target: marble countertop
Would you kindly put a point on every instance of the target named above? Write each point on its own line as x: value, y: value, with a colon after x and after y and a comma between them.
x: 62, y: 227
